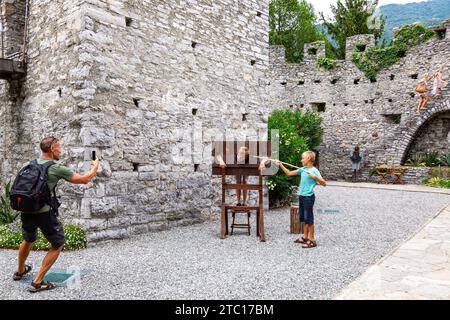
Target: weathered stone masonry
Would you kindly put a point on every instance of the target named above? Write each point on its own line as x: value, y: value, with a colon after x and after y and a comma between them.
x: 121, y: 77
x: 379, y: 117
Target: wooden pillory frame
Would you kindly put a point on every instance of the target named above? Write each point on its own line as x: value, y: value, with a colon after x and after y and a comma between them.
x: 229, y: 150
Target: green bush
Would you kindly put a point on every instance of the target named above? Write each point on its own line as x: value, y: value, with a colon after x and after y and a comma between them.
x: 11, y: 238
x: 374, y: 59
x: 438, y: 182
x: 429, y: 159
x: 417, y: 160
x: 327, y: 63
x: 297, y: 133
x: 444, y: 160
x: 7, y: 214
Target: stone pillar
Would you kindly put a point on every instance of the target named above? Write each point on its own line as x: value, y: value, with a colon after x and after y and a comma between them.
x: 358, y: 43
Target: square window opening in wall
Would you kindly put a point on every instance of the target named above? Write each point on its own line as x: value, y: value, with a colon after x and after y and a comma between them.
x: 253, y: 62
x: 244, y: 116
x: 135, y: 167
x: 390, y: 100
x: 136, y: 102
x: 312, y: 51
x: 194, y: 111
x: 415, y: 76
x: 196, y: 167
x: 301, y: 82
x: 302, y: 105
x: 393, y: 118
x: 392, y: 77
x: 318, y: 106
x: 356, y: 81
x: 360, y: 47
x: 258, y: 13
x: 441, y: 33
x: 129, y: 21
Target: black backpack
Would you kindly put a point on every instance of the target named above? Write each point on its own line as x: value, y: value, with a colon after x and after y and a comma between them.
x: 30, y: 191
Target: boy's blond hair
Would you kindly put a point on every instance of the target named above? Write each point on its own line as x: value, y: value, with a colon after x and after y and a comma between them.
x: 311, y: 155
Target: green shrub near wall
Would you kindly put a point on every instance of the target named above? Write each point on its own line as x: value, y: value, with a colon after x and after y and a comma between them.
x: 11, y: 238
x: 297, y: 133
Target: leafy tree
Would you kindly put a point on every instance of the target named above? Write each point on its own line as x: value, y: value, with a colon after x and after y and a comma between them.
x: 292, y: 24
x: 353, y: 17
x: 297, y: 133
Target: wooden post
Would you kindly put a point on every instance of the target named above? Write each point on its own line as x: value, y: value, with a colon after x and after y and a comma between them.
x: 262, y: 235
x: 223, y: 224
x: 296, y: 226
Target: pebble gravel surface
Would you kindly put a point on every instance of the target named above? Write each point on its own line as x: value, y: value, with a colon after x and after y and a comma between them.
x: 193, y: 263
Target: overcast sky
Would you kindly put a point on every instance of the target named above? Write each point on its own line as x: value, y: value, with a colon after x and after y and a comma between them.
x: 324, y: 5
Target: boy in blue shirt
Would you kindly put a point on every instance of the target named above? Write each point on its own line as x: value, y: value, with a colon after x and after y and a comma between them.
x: 310, y: 176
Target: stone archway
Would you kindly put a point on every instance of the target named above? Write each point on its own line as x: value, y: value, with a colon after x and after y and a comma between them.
x: 413, y: 127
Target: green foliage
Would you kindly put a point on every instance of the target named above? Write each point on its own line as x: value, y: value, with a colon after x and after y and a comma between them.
x: 430, y: 13
x: 429, y: 159
x: 377, y: 58
x: 352, y: 17
x: 327, y: 63
x: 444, y: 160
x: 11, y: 238
x: 417, y: 160
x: 438, y: 182
x: 297, y: 133
x: 292, y: 24
x: 7, y: 214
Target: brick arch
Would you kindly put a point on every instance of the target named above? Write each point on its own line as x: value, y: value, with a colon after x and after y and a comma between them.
x: 416, y: 123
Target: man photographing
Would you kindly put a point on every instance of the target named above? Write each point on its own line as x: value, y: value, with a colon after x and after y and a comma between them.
x: 44, y: 218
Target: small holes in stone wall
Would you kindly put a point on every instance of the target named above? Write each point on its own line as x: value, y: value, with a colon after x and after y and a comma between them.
x: 366, y: 101
x: 302, y: 105
x: 60, y: 92
x: 128, y: 21
x: 135, y: 167
x: 317, y: 81
x: 312, y: 51
x: 414, y: 76
x: 258, y: 13
x: 196, y: 167
x: 283, y: 83
x: 319, y: 107
x: 346, y: 104
x: 194, y: 111
x: 441, y: 33
x: 412, y: 94
x: 389, y: 100
x: 373, y: 80
x: 244, y: 116
x: 136, y: 102
x: 392, y: 77
x: 334, y: 80
x: 252, y: 62
x: 372, y: 101
x: 356, y: 81
x: 301, y: 82
x: 193, y: 44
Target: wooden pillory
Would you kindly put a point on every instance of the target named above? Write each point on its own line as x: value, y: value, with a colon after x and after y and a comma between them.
x: 229, y: 150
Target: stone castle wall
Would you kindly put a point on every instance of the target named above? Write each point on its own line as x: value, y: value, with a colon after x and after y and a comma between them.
x: 132, y: 80
x: 378, y: 116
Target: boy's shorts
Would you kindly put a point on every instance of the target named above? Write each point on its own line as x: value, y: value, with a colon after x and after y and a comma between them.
x: 306, y: 204
x: 51, y: 228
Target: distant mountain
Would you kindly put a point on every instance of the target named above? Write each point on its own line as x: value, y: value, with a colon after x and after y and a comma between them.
x: 430, y: 13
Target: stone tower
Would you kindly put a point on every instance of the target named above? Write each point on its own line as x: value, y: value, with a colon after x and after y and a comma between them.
x: 135, y: 81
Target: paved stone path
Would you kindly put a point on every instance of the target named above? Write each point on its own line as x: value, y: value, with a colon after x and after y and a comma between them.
x: 418, y: 269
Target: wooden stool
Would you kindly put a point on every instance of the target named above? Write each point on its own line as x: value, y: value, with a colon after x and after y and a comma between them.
x: 296, y: 226
x: 240, y: 225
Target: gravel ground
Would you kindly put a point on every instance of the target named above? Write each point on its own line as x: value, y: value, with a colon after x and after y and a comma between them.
x: 193, y: 263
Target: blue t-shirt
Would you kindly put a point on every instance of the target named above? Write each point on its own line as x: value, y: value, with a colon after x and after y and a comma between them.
x: 307, y: 183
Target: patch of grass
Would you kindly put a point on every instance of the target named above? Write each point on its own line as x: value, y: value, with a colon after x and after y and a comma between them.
x: 327, y: 63
x: 11, y: 238
x: 438, y: 182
